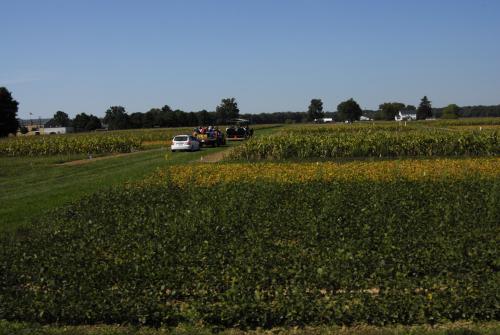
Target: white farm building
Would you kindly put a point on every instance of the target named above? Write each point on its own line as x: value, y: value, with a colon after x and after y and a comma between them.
x: 57, y: 130
x: 406, y: 116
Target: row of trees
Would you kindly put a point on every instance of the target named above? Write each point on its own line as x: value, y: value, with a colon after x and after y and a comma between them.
x: 117, y: 118
x: 350, y: 110
x: 468, y: 111
x: 388, y: 110
x: 81, y: 122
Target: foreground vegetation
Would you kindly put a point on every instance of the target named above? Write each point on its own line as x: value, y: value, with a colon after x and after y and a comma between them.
x: 457, y: 328
x: 263, y: 254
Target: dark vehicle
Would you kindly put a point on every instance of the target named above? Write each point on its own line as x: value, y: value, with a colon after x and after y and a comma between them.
x: 239, y: 130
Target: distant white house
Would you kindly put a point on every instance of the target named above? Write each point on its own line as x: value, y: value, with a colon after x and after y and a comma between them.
x: 406, y: 116
x: 324, y: 120
x: 57, y: 130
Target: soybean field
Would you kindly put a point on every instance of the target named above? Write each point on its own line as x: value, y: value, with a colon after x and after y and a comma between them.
x: 302, y: 226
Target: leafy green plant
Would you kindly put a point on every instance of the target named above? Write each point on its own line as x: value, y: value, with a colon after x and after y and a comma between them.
x: 262, y: 254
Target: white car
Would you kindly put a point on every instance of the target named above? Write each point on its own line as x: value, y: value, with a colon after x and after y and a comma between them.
x: 185, y: 142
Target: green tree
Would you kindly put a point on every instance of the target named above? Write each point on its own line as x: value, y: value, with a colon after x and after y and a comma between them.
x: 150, y: 118
x: 166, y: 117
x: 450, y: 112
x: 60, y: 119
x: 8, y: 113
x: 315, y: 110
x: 117, y: 118
x: 424, y: 110
x: 84, y: 122
x: 349, y: 110
x: 80, y: 121
x: 181, y: 118
x: 136, y: 120
x: 192, y: 119
x: 203, y: 118
x: 228, y: 109
x: 93, y: 123
x: 388, y: 110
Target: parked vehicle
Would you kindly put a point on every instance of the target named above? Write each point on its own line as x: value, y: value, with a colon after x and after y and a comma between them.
x: 185, y: 143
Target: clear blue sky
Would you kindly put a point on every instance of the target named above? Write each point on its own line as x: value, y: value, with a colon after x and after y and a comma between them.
x: 271, y: 55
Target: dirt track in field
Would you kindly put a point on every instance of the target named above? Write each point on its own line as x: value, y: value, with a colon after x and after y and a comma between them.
x: 215, y: 157
x: 210, y: 158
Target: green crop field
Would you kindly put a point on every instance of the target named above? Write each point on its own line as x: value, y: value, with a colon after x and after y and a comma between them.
x: 312, y: 226
x: 372, y: 140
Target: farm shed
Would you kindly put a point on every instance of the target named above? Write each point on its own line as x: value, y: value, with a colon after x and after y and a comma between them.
x: 57, y: 130
x: 406, y: 116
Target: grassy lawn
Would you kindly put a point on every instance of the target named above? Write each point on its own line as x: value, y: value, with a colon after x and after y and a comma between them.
x: 32, y: 185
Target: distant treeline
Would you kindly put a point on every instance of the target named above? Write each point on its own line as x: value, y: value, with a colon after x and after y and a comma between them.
x: 466, y: 111
x: 117, y: 118
x: 472, y: 111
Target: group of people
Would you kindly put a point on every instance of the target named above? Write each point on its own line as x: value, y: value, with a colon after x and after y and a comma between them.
x: 210, y: 130
x: 244, y: 131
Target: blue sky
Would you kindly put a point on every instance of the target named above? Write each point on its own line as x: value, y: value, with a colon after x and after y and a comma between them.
x: 271, y: 55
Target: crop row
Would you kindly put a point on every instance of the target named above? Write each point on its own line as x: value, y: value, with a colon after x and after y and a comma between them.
x: 310, y: 129
x: 249, y: 253
x: 62, y: 144
x: 291, y: 173
x: 466, y: 122
x: 415, y: 128
x: 325, y: 144
x: 88, y: 143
